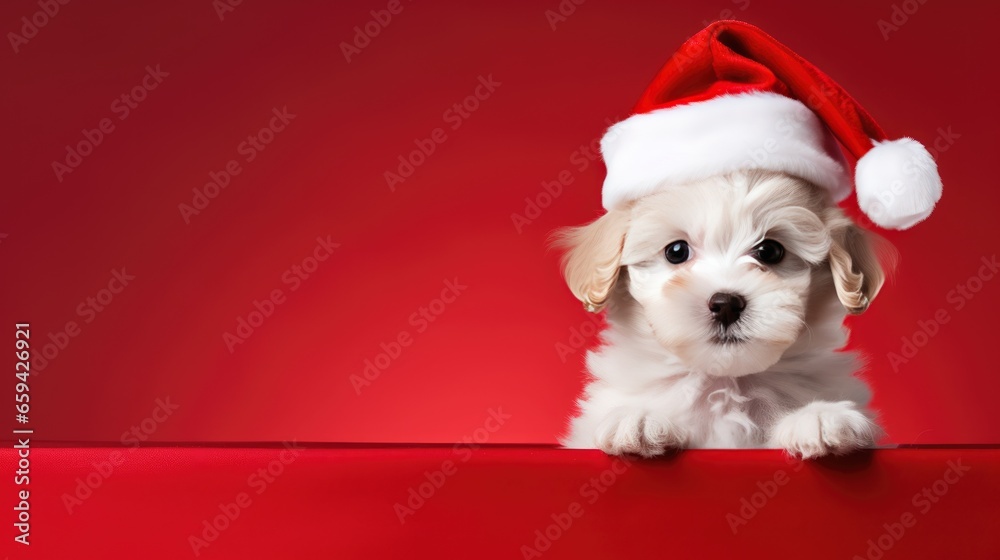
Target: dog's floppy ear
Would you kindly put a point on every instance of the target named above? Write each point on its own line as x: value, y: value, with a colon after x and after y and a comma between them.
x: 593, y: 257
x: 856, y: 265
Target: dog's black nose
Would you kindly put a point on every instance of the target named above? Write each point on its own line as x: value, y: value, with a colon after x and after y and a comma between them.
x: 726, y: 307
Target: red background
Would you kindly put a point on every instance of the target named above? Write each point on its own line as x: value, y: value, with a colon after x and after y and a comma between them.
x: 496, y: 345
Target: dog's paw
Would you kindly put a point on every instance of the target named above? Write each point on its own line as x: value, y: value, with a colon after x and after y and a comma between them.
x: 821, y: 428
x: 634, y: 432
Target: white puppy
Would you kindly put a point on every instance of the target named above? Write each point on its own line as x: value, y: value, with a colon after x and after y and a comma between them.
x: 725, y: 301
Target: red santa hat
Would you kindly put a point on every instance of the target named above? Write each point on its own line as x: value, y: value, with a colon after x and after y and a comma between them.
x: 734, y: 98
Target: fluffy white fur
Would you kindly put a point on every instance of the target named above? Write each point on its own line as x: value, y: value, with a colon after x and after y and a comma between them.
x: 720, y: 135
x: 661, y: 379
x: 897, y: 183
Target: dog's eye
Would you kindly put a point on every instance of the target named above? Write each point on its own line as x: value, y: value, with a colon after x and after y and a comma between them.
x: 677, y: 252
x: 768, y: 252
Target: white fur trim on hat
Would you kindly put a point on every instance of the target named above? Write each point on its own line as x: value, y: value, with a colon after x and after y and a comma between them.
x: 649, y: 151
x: 897, y: 183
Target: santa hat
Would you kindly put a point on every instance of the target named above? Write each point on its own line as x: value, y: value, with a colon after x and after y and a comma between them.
x: 734, y: 98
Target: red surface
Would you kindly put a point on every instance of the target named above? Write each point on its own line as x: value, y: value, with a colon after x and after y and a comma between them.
x: 341, y: 503
x: 499, y: 343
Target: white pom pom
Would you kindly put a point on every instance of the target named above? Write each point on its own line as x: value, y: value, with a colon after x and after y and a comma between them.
x: 897, y: 183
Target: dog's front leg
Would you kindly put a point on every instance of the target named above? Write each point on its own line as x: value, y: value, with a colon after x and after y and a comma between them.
x: 824, y: 427
x: 620, y: 424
